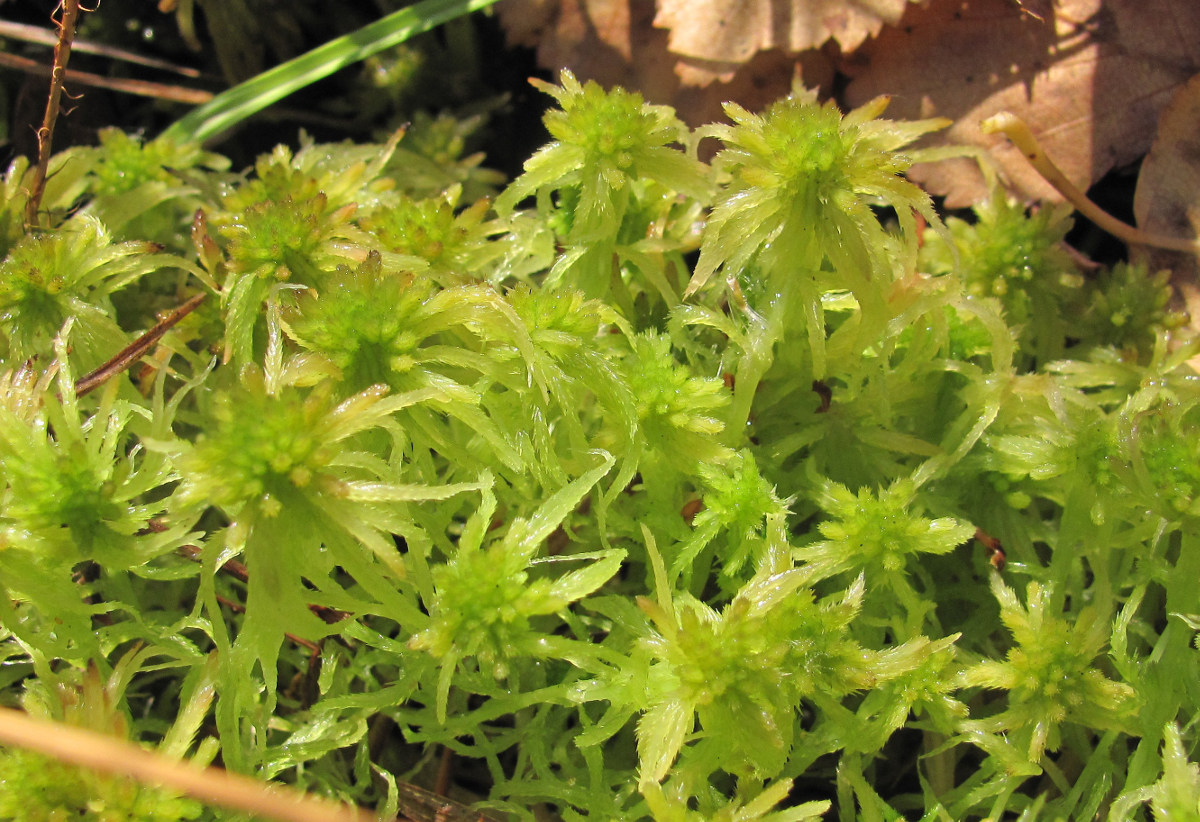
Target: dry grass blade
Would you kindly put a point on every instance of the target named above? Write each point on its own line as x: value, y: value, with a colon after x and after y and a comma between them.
x: 45, y: 37
x: 110, y: 755
x: 142, y: 88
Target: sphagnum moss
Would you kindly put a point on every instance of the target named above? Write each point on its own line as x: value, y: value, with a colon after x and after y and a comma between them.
x: 489, y: 479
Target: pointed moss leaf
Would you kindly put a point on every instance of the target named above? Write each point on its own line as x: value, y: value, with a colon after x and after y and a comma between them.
x: 526, y: 535
x: 661, y: 732
x: 578, y: 584
x: 1177, y: 793
x: 385, y: 492
x: 669, y: 803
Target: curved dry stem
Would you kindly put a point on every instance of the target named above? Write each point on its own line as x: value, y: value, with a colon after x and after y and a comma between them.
x: 1014, y: 128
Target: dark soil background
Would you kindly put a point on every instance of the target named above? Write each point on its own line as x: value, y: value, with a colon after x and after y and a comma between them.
x: 462, y: 69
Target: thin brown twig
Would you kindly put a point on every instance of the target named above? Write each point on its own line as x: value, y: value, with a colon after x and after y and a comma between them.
x: 133, y: 352
x: 62, y: 53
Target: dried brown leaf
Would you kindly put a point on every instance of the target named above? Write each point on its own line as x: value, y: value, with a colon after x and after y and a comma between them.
x: 1090, y: 80
x: 716, y: 37
x: 1168, y: 193
x: 609, y: 41
x: 614, y: 43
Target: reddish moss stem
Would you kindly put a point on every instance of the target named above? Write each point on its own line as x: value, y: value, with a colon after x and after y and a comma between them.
x: 62, y: 54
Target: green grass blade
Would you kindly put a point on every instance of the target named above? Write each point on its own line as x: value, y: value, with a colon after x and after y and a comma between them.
x: 245, y: 99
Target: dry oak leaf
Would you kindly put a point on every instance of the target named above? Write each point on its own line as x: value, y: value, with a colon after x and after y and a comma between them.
x: 715, y: 37
x: 614, y: 43
x: 1089, y: 79
x: 609, y: 41
x: 1167, y: 200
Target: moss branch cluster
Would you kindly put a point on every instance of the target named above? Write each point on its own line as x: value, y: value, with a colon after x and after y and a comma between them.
x: 647, y: 486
